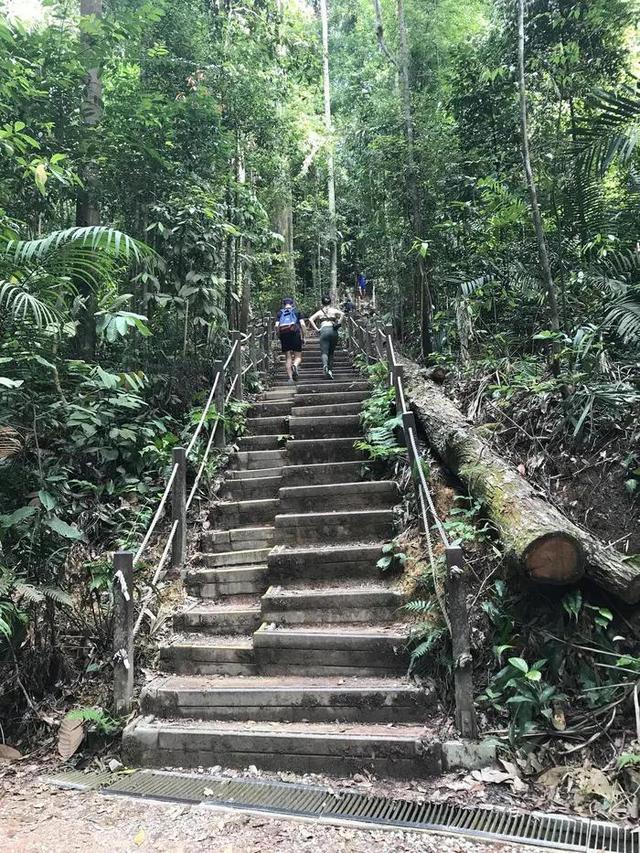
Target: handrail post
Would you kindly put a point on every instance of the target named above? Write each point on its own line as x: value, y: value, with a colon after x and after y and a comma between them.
x: 122, y: 632
x: 219, y: 440
x: 236, y: 365
x: 397, y: 375
x: 465, y: 716
x: 179, y: 508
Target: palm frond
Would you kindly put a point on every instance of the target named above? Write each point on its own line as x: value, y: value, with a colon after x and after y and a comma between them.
x: 92, y: 238
x: 623, y: 317
x: 21, y: 304
x: 614, y: 134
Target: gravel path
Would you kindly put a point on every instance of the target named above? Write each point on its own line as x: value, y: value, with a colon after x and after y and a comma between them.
x: 38, y: 817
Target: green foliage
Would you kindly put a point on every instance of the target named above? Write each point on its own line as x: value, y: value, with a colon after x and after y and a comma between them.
x: 98, y: 719
x: 393, y: 557
x: 380, y: 426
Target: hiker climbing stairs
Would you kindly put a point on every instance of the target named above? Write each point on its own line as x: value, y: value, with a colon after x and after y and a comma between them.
x: 289, y: 653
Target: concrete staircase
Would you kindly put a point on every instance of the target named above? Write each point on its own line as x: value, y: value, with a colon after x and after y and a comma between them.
x: 290, y: 655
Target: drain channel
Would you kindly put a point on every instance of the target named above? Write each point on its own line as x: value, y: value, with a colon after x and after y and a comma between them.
x: 309, y: 801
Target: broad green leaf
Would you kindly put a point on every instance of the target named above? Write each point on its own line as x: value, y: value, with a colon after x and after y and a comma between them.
x: 520, y: 664
x: 47, y: 499
x: 69, y: 531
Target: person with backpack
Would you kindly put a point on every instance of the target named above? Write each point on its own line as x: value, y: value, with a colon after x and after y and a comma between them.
x: 291, y: 328
x: 330, y: 320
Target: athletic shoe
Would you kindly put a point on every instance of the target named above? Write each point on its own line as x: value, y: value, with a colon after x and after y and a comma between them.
x: 294, y: 370
x: 325, y: 369
x: 330, y: 374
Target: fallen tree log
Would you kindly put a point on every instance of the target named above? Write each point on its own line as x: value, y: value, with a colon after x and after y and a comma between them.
x: 547, y: 545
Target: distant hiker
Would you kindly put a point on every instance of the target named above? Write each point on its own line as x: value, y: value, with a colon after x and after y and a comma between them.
x: 362, y: 285
x: 291, y: 328
x: 347, y: 306
x: 330, y: 320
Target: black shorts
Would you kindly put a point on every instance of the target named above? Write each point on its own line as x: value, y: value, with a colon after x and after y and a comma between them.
x: 291, y: 341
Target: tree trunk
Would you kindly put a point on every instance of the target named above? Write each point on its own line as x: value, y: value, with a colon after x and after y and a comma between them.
x: 422, y: 290
x: 87, y: 208
x: 547, y: 546
x: 331, y: 185
x: 543, y: 254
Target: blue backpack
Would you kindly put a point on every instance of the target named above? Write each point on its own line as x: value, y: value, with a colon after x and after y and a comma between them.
x: 288, y: 320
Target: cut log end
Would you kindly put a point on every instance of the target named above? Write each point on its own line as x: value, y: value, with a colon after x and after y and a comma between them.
x: 554, y: 558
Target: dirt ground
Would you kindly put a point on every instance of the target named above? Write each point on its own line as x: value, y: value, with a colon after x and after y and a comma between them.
x: 39, y: 818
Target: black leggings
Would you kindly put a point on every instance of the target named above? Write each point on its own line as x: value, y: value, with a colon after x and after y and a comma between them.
x: 328, y: 341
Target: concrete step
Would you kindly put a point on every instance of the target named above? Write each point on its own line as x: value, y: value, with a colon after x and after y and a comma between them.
x: 377, y: 494
x: 253, y: 459
x: 261, y: 442
x: 329, y: 398
x: 198, y: 654
x: 223, y: 619
x: 250, y: 557
x: 267, y: 425
x: 288, y: 699
x: 255, y: 488
x: 253, y: 473
x: 331, y: 386
x: 235, y: 514
x: 330, y: 605
x: 324, y: 411
x: 402, y: 751
x: 238, y: 539
x: 355, y: 562
x: 307, y: 375
x: 271, y: 409
x: 331, y: 527
x: 310, y: 451
x: 330, y: 650
x: 334, y: 426
x: 278, y: 394
x: 322, y: 473
x: 215, y: 583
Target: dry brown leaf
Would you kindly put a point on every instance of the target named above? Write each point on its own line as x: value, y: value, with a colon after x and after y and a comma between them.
x: 553, y: 777
x: 592, y: 782
x: 8, y: 753
x: 70, y: 737
x: 491, y: 774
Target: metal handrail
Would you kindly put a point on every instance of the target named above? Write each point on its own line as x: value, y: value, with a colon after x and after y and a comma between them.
x: 157, y: 515
x: 175, y: 544
x: 205, y: 411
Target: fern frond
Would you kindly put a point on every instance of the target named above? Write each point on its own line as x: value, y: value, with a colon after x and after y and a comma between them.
x: 30, y: 593
x: 56, y: 594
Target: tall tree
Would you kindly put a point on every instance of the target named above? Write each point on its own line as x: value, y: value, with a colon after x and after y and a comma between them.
x: 331, y: 183
x: 421, y: 281
x: 543, y: 252
x: 87, y: 206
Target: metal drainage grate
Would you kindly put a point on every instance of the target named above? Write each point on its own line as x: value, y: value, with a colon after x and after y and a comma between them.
x: 82, y: 780
x: 311, y: 801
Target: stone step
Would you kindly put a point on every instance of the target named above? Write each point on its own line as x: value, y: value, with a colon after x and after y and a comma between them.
x: 330, y: 605
x: 251, y: 459
x: 324, y: 411
x: 310, y: 451
x: 238, y: 539
x: 307, y: 375
x: 376, y: 494
x: 198, y: 654
x: 262, y: 442
x: 317, y: 426
x: 329, y: 650
x: 267, y: 425
x: 218, y: 619
x: 279, y: 394
x: 332, y: 527
x: 329, y: 472
x: 355, y: 562
x: 235, y: 514
x: 401, y: 752
x: 254, y: 488
x: 323, y: 398
x: 214, y: 583
x: 288, y: 699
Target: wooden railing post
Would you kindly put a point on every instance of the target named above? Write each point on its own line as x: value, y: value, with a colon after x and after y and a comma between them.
x: 397, y: 375
x: 122, y: 632
x: 236, y: 365
x: 219, y: 439
x: 179, y: 508
x: 465, y: 716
